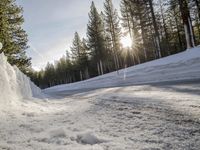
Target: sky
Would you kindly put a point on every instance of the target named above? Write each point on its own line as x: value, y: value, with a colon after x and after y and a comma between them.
x: 51, y: 24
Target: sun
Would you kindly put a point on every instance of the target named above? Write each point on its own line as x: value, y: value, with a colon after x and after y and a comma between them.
x: 126, y: 41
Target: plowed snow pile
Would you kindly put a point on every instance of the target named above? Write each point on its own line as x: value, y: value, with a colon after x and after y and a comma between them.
x: 14, y: 85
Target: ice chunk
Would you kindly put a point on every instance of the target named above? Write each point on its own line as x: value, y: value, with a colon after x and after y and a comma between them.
x: 89, y: 138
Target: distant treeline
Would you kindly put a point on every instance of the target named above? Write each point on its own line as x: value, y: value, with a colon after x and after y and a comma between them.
x: 157, y: 28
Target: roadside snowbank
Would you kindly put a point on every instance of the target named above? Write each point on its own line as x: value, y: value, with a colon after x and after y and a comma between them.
x: 181, y: 66
x: 14, y: 84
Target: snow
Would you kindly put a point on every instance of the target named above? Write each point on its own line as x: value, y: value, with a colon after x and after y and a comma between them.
x: 89, y: 138
x: 176, y: 67
x: 58, y: 133
x: 109, y: 112
x: 14, y: 85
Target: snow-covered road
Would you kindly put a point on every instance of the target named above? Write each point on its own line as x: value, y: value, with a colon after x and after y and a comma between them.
x: 152, y: 106
x: 156, y: 116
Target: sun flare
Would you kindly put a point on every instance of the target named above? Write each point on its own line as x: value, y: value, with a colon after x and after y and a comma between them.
x: 126, y: 41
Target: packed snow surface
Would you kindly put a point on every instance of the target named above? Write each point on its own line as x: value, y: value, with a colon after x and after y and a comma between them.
x: 151, y: 106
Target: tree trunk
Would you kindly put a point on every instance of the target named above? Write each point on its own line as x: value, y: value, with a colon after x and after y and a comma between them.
x: 101, y: 67
x: 81, y: 75
x: 198, y: 28
x: 187, y: 23
x: 143, y: 38
x: 87, y: 73
x: 192, y: 31
x: 198, y: 8
x: 133, y: 57
x: 98, y: 68
x: 165, y: 28
x: 178, y: 30
x: 157, y: 37
x: 142, y: 30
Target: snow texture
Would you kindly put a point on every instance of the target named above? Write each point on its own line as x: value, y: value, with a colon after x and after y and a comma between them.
x: 14, y: 85
x: 88, y: 138
x: 83, y: 116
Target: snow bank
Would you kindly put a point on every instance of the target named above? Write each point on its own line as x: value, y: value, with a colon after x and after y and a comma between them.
x: 14, y: 84
x: 181, y: 66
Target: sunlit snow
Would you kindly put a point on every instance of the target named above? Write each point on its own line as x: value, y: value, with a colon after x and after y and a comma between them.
x: 157, y: 106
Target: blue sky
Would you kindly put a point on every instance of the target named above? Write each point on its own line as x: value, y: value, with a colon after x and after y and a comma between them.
x: 51, y: 24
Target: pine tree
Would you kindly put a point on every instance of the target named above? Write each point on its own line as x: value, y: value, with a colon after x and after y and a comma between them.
x: 84, y: 60
x: 13, y: 37
x: 113, y: 29
x: 175, y: 27
x: 108, y: 65
x: 133, y: 16
x: 77, y: 54
x: 165, y: 36
x: 96, y: 41
x: 76, y: 47
x: 149, y: 28
x: 127, y: 23
x: 60, y: 70
x: 49, y: 75
x: 68, y: 68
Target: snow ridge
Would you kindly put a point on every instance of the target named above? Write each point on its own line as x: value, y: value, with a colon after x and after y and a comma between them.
x: 14, y: 84
x: 176, y: 67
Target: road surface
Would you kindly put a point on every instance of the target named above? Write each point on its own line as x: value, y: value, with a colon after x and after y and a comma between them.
x: 144, y: 117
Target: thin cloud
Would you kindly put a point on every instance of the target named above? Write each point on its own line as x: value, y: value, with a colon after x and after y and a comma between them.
x: 36, y: 51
